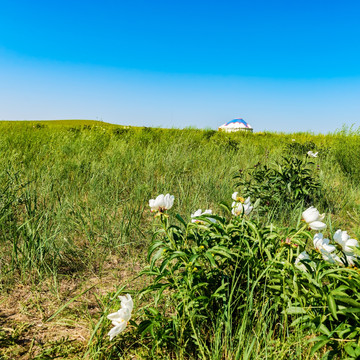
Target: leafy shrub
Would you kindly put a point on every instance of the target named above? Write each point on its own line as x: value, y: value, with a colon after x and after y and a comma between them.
x: 208, y: 273
x: 75, y: 130
x: 201, y: 270
x: 286, y: 183
x: 39, y: 126
x: 121, y: 131
x: 208, y: 134
x: 299, y: 149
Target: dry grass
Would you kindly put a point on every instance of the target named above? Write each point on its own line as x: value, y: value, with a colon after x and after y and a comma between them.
x: 24, y: 312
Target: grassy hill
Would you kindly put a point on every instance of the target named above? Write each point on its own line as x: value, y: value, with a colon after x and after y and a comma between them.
x: 75, y: 223
x: 67, y: 122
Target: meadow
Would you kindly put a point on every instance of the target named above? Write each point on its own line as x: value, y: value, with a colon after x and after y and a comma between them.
x: 76, y: 231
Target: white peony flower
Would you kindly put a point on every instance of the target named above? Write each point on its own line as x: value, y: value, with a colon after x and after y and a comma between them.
x: 120, y: 318
x: 313, y: 218
x: 241, y: 207
x: 323, y: 244
x: 347, y: 244
x: 326, y: 250
x: 237, y: 198
x: 162, y: 203
x: 199, y: 213
x: 311, y: 154
x: 298, y: 261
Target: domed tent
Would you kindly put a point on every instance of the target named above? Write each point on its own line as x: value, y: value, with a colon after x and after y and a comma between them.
x: 236, y: 125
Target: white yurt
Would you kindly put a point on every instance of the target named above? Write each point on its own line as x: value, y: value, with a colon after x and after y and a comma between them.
x: 236, y: 125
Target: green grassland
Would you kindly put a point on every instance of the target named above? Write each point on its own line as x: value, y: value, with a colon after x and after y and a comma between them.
x: 75, y: 223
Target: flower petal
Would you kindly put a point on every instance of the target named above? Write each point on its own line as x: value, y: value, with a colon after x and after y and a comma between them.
x: 350, y: 244
x: 117, y: 329
x: 317, y: 225
x: 310, y: 215
x: 234, y: 195
x: 127, y: 302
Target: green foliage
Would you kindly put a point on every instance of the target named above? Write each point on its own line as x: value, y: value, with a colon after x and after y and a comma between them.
x: 330, y: 303
x: 283, y: 185
x: 300, y: 149
x: 347, y: 155
x: 73, y: 207
x: 202, y: 272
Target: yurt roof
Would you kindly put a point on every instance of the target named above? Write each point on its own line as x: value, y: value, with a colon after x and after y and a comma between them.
x: 237, y: 123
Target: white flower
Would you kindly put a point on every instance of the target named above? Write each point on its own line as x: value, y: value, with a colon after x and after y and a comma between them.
x: 162, y: 203
x: 343, y: 239
x: 313, y: 218
x: 120, y: 318
x: 237, y: 198
x: 323, y: 244
x: 127, y: 302
x: 238, y: 207
x: 311, y: 154
x: 326, y: 250
x: 199, y: 213
x: 298, y: 261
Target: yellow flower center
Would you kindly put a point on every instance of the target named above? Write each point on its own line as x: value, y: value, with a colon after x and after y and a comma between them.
x: 240, y: 199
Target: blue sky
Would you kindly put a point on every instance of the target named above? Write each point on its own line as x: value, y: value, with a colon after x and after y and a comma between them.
x: 281, y: 65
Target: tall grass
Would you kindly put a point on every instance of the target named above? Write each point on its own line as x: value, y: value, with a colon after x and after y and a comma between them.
x: 74, y: 196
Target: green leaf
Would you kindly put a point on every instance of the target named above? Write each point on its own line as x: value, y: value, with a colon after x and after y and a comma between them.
x: 181, y: 219
x: 156, y: 257
x: 275, y: 287
x: 302, y: 319
x: 318, y: 338
x: 318, y: 346
x: 153, y: 247
x: 350, y: 310
x: 295, y: 310
x: 211, y: 258
x: 348, y: 300
x: 352, y: 349
x: 332, y: 306
x: 221, y: 250
x: 146, y: 326
x: 324, y: 329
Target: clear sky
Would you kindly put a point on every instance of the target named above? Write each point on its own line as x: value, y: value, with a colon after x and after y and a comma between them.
x: 280, y: 65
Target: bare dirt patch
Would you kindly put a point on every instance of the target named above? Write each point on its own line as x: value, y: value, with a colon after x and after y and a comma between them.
x: 31, y: 325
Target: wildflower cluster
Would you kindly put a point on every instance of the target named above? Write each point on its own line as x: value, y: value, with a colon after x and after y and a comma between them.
x: 281, y: 186
x: 342, y: 254
x: 202, y: 269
